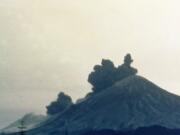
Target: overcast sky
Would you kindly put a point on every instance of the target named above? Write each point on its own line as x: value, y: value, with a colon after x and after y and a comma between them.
x: 48, y: 46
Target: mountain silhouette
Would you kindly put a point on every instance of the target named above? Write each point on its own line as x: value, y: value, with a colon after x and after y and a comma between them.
x: 129, y: 104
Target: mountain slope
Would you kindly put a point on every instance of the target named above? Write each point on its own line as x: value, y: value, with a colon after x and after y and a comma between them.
x: 131, y: 103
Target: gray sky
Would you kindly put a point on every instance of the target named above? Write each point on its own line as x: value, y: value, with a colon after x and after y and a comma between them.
x: 48, y: 46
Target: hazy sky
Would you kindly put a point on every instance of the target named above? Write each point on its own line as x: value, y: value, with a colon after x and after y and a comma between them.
x: 48, y: 46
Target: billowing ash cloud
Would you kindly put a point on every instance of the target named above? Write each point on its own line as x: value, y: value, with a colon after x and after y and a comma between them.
x: 103, y: 76
x: 63, y: 102
x: 106, y: 74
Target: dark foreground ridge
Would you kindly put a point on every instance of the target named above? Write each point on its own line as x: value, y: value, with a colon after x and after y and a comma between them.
x: 153, y: 130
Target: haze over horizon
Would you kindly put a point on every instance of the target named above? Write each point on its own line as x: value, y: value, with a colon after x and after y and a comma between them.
x: 51, y: 46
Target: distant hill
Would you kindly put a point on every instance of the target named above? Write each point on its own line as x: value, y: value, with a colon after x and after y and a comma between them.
x: 31, y: 120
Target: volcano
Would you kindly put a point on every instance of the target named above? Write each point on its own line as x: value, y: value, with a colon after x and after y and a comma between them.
x: 129, y: 104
